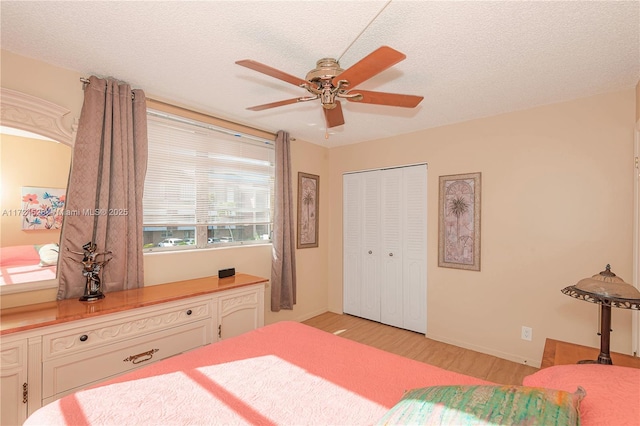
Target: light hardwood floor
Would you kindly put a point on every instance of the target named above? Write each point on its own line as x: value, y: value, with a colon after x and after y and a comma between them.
x: 415, y: 346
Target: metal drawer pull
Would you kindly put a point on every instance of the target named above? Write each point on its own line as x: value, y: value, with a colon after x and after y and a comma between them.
x: 189, y: 312
x: 134, y: 358
x: 84, y: 338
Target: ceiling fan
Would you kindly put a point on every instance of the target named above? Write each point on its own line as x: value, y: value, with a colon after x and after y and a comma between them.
x: 328, y: 82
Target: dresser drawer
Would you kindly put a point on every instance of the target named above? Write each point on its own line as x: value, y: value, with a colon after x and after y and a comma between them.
x: 64, y: 375
x: 145, y: 321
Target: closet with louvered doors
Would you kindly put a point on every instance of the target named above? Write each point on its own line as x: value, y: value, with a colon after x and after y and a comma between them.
x: 385, y: 246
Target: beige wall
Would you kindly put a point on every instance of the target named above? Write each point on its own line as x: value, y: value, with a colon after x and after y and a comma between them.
x: 557, y: 203
x: 36, y: 78
x: 28, y: 162
x: 638, y: 104
x: 63, y: 87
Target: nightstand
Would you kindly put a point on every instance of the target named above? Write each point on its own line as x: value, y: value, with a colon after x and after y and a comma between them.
x: 557, y: 352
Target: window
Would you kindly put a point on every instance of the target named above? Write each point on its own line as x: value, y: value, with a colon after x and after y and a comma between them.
x: 205, y: 186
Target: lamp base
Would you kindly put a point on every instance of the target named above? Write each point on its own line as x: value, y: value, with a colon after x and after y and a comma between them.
x: 605, y: 337
x: 605, y: 360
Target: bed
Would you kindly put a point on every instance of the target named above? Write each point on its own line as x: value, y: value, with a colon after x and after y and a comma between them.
x: 289, y: 373
x: 27, y: 263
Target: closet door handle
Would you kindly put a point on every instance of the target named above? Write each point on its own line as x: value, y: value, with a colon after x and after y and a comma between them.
x: 370, y: 252
x: 391, y: 254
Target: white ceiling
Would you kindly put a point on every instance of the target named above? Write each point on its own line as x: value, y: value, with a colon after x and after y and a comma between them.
x: 468, y: 59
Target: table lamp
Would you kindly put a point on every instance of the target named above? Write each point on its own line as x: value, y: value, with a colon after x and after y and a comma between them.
x: 607, y: 290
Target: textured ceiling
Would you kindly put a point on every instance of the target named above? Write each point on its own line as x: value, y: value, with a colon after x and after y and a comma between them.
x: 468, y: 59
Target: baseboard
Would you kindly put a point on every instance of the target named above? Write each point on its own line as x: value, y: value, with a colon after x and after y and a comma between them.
x: 488, y: 351
x: 310, y: 315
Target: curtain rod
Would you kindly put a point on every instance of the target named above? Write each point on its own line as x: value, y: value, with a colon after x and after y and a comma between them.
x: 86, y: 81
x: 188, y: 113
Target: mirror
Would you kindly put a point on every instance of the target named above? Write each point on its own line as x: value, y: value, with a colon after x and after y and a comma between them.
x: 36, y: 149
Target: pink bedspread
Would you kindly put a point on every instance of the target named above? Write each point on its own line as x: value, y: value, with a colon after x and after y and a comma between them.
x: 285, y: 373
x: 20, y: 264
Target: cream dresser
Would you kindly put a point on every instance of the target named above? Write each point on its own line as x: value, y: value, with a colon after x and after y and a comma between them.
x: 52, y: 349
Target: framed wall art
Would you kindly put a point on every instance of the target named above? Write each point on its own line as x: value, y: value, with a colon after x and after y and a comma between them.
x: 459, y: 221
x: 308, y: 210
x: 42, y: 208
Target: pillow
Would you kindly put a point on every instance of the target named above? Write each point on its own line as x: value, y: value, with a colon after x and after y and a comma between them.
x: 486, y: 405
x: 613, y: 391
x: 48, y: 255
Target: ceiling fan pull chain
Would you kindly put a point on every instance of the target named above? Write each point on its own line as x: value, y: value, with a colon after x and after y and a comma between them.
x: 364, y: 29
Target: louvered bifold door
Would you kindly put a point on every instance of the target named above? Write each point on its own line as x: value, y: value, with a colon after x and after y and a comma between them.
x: 414, y: 243
x: 370, y: 249
x: 391, y: 258
x: 352, y: 242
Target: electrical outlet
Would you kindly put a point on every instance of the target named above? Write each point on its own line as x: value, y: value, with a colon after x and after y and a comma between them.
x: 527, y: 333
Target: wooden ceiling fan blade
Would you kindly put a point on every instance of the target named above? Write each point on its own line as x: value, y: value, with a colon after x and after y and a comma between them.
x: 390, y: 99
x: 270, y: 71
x: 334, y: 117
x: 372, y: 64
x: 274, y: 104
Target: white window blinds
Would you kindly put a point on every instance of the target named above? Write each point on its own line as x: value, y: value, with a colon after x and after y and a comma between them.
x: 199, y: 175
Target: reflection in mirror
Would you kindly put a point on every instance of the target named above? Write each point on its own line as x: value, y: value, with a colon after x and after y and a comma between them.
x: 36, y: 143
x: 34, y: 171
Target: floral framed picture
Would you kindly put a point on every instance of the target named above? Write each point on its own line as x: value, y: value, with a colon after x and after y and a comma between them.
x: 42, y: 208
x: 308, y: 210
x: 459, y: 221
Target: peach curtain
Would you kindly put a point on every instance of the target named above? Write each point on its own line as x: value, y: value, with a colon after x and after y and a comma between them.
x: 283, y: 263
x: 104, y: 195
